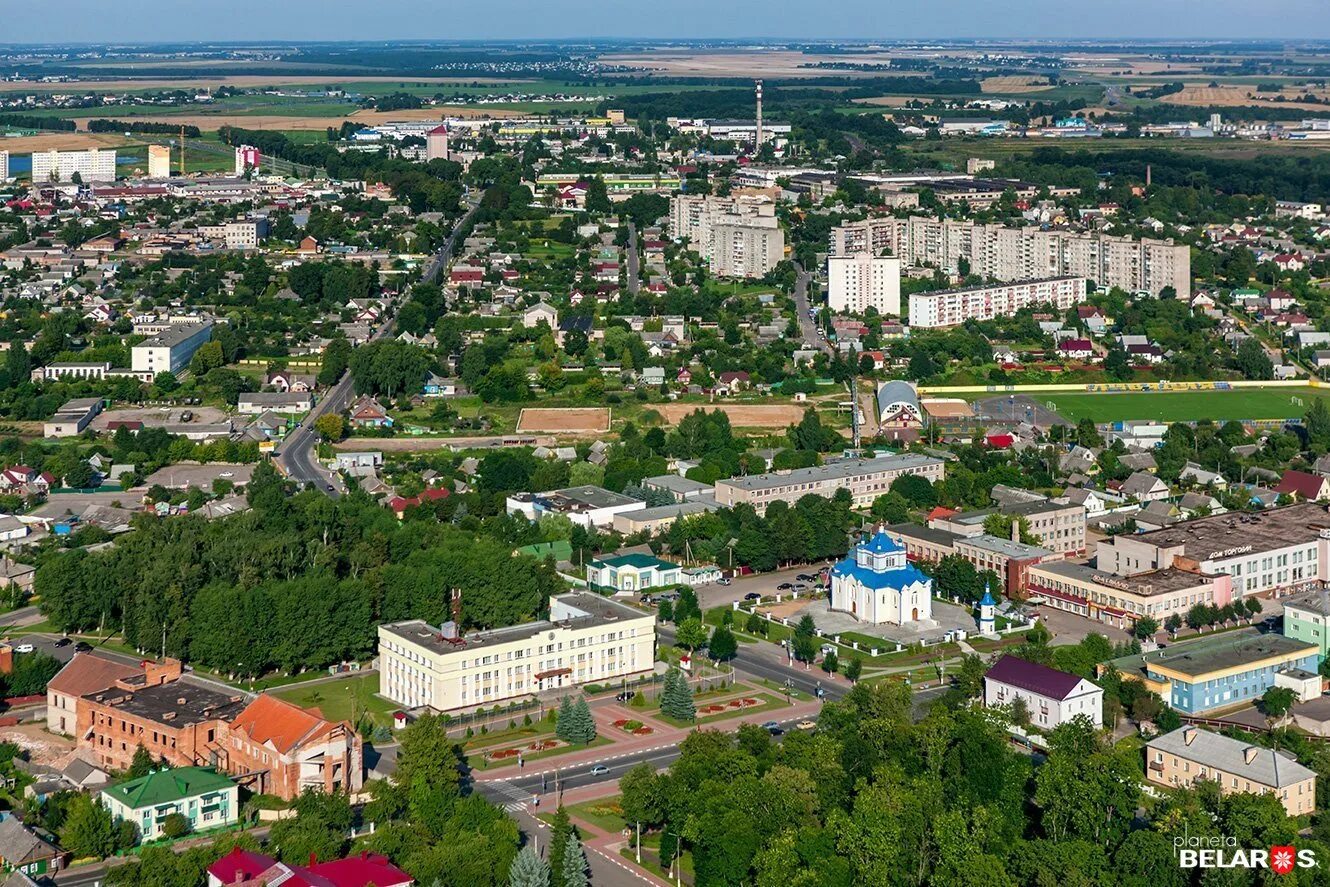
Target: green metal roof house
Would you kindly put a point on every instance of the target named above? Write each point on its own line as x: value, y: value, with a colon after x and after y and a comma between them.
x: 203, y: 796
x: 631, y: 572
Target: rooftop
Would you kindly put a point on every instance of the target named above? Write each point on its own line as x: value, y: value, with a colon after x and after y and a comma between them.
x: 1209, y: 538
x: 583, y: 498
x: 841, y: 470
x: 1195, y: 659
x: 174, y: 335
x: 598, y: 610
x: 1147, y: 584
x: 1266, y: 766
x: 1032, y: 676
x: 675, y: 509
x: 168, y: 786
x: 175, y: 704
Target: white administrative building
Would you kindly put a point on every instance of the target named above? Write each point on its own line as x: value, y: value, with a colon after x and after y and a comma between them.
x: 876, y: 584
x: 953, y: 307
x: 861, y: 281
x: 92, y: 165
x: 588, y: 638
x: 169, y: 350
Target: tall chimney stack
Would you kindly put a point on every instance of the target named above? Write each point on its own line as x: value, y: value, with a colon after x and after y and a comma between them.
x: 759, y: 117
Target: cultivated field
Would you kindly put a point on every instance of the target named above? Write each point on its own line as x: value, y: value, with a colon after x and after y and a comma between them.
x: 574, y: 420
x: 1238, y: 96
x: 1259, y: 403
x: 238, y: 80
x: 741, y: 415
x: 207, y: 120
x: 1014, y: 84
x: 746, y: 65
x: 60, y: 141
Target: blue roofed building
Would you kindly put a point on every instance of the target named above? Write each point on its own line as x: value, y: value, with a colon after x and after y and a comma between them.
x: 876, y: 584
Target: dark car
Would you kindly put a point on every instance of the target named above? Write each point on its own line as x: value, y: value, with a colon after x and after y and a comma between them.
x: 752, y: 596
x: 63, y: 642
x: 624, y: 696
x: 785, y: 586
x: 83, y: 647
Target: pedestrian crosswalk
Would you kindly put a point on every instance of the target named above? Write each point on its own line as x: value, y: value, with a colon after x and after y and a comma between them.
x: 514, y: 799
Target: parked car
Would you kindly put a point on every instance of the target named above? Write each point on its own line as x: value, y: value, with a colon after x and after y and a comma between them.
x: 722, y: 581
x: 599, y: 770
x: 24, y: 648
x: 827, y: 648
x: 63, y: 642
x: 770, y: 725
x: 83, y: 647
x: 785, y: 586
x: 806, y: 724
x: 752, y: 596
x: 624, y: 696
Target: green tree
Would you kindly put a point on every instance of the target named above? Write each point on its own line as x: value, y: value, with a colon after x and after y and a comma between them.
x: 690, y: 633
x: 1276, y: 702
x: 87, y: 831
x: 528, y: 870
x: 854, y: 668
x: 561, y: 829
x: 723, y: 646
x: 676, y: 698
x: 597, y: 196
x: 175, y: 825
x: 330, y: 426
x: 1252, y: 361
x: 573, y: 864
x: 142, y: 764
x: 1145, y: 627
x: 830, y: 662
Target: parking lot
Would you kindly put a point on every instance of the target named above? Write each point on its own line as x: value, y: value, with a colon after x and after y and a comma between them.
x: 765, y: 584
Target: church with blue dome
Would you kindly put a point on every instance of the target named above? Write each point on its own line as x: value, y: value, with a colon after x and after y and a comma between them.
x: 876, y: 584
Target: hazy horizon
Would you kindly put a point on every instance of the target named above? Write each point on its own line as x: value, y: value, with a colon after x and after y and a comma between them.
x: 204, y: 21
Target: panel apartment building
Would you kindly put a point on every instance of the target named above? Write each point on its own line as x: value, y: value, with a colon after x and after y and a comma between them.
x: 169, y: 350
x: 861, y: 281
x: 953, y: 307
x: 588, y: 638
x: 866, y: 479
x: 1027, y: 253
x: 737, y: 236
x: 93, y: 165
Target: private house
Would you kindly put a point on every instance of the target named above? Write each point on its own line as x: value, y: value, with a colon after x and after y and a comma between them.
x: 369, y: 413
x: 538, y: 313
x: 206, y: 798
x: 1076, y: 349
x: 293, y: 750
x: 23, y: 850
x: 285, y: 380
x: 250, y: 868
x: 1051, y: 697
x: 1144, y: 487
x: 1189, y: 754
x: 631, y: 573
x: 1304, y: 485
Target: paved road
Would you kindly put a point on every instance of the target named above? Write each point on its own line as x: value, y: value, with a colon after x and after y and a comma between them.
x: 634, y: 261
x: 763, y: 660
x: 807, y: 329
x: 296, y: 456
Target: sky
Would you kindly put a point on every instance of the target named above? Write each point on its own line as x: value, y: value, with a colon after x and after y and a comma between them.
x: 102, y: 21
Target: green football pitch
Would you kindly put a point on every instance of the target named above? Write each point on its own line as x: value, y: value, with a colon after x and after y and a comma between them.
x: 1182, y: 406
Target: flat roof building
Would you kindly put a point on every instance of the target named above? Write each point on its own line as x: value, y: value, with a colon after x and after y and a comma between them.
x: 171, y: 349
x: 587, y: 505
x: 866, y: 479
x: 1121, y: 600
x: 587, y: 638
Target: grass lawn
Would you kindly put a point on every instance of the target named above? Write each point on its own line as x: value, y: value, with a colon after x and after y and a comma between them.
x: 768, y: 703
x: 504, y: 738
x: 651, y: 859
x: 1174, y: 406
x: 346, y: 699
x: 603, y: 813
x: 480, y: 762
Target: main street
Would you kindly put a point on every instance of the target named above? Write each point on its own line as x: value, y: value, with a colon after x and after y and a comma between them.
x: 296, y: 456
x: 808, y: 330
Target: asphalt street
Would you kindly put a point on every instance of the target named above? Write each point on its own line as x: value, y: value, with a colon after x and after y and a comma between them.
x: 807, y: 329
x: 296, y: 455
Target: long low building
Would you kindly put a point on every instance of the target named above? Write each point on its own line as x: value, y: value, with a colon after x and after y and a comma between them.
x: 1121, y: 600
x: 660, y: 517
x: 866, y: 479
x: 587, y: 638
x: 1189, y: 754
x: 953, y: 307
x: 588, y: 505
x: 1009, y: 559
x: 1221, y: 671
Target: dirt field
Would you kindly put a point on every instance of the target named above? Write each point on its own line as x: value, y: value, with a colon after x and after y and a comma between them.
x: 60, y: 141
x: 370, y: 118
x: 208, y: 122
x: 157, y: 416
x: 568, y: 419
x: 741, y: 415
x: 428, y: 444
x: 42, y: 747
x: 745, y: 65
x: 785, y: 609
x: 1237, y: 96
x: 948, y: 408
x: 1014, y: 84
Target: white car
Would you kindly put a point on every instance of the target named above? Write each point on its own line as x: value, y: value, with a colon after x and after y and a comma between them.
x: 24, y: 648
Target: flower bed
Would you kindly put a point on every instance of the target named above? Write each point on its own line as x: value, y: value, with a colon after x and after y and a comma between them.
x: 504, y: 754
x: 636, y: 728
x: 716, y: 708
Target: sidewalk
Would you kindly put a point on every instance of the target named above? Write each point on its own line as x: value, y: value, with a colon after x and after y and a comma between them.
x: 665, y: 736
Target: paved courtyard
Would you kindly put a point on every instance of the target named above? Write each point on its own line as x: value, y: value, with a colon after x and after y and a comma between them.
x: 946, y: 618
